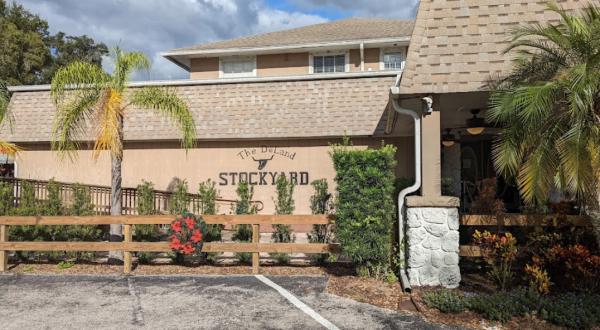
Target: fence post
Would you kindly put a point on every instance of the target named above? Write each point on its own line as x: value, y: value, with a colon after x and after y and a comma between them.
x: 255, y: 255
x: 127, y: 236
x: 3, y: 253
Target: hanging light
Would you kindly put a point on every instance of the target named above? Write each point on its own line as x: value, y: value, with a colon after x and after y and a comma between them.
x: 448, y: 139
x: 475, y: 125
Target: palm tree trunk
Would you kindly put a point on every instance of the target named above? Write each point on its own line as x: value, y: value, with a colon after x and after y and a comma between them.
x: 116, y: 204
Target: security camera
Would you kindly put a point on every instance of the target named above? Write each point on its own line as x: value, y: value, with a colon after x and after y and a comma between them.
x: 427, y: 105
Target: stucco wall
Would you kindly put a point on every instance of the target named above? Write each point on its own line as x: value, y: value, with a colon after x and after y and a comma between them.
x: 204, y: 68
x: 164, y: 162
x: 371, y: 59
x: 282, y: 64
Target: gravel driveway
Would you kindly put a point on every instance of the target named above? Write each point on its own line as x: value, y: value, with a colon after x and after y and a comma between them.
x: 187, y: 302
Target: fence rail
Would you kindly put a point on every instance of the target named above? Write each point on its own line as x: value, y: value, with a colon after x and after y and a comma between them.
x: 101, y: 196
x: 128, y: 246
x: 517, y: 220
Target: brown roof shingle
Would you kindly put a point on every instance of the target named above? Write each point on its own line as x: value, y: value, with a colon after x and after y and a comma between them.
x: 288, y: 109
x: 348, y: 29
x: 457, y: 44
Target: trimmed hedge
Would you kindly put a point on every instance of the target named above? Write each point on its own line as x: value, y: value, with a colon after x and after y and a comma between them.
x: 364, y: 205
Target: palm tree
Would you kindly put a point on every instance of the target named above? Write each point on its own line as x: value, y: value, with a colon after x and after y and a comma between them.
x: 90, y: 100
x: 6, y: 117
x: 549, y: 105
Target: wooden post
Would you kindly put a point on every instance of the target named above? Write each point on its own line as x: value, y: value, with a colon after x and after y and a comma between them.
x: 3, y: 253
x: 127, y: 255
x: 255, y: 255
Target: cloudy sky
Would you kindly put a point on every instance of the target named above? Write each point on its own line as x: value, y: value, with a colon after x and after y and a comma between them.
x: 153, y: 26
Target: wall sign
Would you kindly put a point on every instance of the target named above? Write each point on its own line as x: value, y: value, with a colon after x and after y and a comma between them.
x: 262, y: 158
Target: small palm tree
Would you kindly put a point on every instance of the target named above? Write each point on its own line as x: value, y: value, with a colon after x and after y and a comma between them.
x: 90, y: 100
x: 550, y: 106
x: 6, y: 118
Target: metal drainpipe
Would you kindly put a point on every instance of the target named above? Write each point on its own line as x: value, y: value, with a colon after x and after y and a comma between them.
x: 362, y: 56
x: 395, y: 91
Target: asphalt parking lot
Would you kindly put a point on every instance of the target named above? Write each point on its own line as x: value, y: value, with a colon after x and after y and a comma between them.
x: 187, y: 302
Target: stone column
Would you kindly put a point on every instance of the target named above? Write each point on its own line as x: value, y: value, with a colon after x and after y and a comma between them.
x: 432, y: 241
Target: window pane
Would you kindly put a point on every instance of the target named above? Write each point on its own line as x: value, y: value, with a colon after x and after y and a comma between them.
x: 329, y: 64
x: 392, y: 60
x: 248, y: 66
x: 227, y: 67
x: 318, y: 64
x: 340, y: 63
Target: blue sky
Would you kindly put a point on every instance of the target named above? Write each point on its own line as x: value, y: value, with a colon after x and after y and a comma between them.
x: 154, y: 26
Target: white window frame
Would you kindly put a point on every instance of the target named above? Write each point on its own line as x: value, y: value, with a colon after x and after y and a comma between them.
x: 401, y: 50
x: 236, y: 58
x: 311, y: 60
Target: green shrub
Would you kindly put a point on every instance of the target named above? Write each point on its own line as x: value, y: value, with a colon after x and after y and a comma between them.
x: 180, y: 201
x: 244, y: 205
x: 6, y: 198
x: 284, y: 204
x: 502, y: 306
x: 207, y: 204
x: 320, y: 203
x: 81, y: 205
x: 65, y: 265
x: 145, y: 233
x: 364, y: 206
x: 446, y: 301
x: 574, y: 311
x: 53, y: 205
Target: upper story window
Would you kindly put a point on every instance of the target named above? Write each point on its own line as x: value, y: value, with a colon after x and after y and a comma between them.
x: 329, y: 63
x: 392, y: 59
x: 238, y: 67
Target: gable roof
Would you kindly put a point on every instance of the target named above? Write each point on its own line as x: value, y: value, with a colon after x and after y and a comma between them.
x: 456, y: 45
x: 348, y: 29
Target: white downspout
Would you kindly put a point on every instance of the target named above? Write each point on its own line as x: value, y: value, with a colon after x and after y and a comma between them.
x: 394, y: 94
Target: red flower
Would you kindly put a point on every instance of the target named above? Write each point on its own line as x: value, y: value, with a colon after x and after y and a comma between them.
x: 197, y: 237
x: 175, y: 243
x: 190, y: 223
x: 188, y: 248
x: 176, y: 226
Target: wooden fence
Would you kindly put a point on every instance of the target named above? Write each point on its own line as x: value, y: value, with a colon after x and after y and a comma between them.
x: 128, y: 246
x: 101, y: 197
x: 517, y: 220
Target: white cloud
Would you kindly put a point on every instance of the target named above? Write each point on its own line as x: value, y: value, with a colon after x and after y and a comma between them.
x: 153, y: 26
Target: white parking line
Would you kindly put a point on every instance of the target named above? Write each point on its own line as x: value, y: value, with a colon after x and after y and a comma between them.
x: 296, y: 302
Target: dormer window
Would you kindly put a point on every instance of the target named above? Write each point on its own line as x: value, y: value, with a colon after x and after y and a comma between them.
x: 329, y: 63
x: 237, y: 67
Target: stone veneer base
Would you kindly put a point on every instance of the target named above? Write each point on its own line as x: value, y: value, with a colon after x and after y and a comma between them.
x: 433, y: 246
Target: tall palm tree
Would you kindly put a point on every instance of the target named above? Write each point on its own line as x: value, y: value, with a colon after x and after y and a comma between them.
x: 89, y: 100
x: 550, y: 106
x: 6, y: 118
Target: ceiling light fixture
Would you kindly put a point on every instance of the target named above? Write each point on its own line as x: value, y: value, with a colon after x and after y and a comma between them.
x: 475, y: 125
x: 448, y: 139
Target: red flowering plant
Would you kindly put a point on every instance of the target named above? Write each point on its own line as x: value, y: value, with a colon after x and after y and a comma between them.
x: 499, y: 252
x: 186, y: 234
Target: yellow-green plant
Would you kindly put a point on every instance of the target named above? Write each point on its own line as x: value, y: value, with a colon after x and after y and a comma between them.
x: 549, y: 106
x: 6, y: 118
x: 84, y: 94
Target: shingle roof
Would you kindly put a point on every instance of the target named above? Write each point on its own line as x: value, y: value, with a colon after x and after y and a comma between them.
x: 347, y: 29
x: 457, y: 44
x: 287, y: 109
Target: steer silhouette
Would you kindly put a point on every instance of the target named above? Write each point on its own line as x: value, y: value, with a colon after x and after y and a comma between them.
x: 262, y: 162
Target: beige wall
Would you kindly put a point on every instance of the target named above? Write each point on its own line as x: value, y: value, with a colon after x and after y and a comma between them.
x: 204, y: 68
x: 164, y: 163
x: 371, y: 59
x: 282, y: 64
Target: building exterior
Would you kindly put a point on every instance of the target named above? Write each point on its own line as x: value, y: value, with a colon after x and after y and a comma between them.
x: 263, y: 105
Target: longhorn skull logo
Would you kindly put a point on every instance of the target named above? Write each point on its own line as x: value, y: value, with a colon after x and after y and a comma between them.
x: 262, y: 162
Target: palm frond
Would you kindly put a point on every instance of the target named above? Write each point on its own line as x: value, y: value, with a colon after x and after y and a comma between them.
x: 71, y: 124
x: 109, y: 124
x: 76, y: 80
x: 10, y: 149
x: 165, y: 101
x: 127, y: 63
